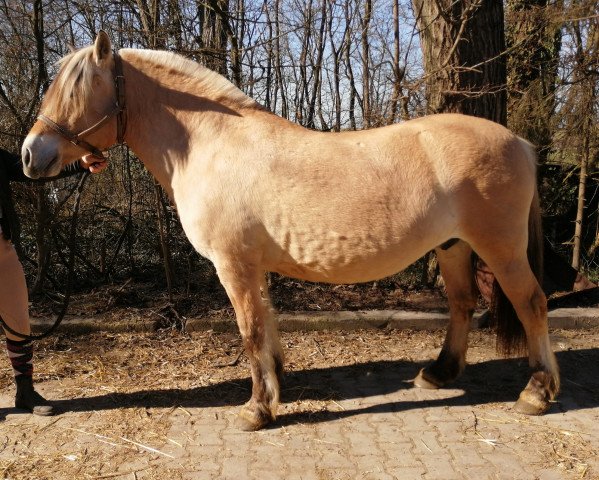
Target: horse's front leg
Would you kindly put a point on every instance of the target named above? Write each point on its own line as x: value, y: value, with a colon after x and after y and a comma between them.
x: 260, y: 339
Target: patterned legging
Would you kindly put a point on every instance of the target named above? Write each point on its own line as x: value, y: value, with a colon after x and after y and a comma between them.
x: 14, y: 300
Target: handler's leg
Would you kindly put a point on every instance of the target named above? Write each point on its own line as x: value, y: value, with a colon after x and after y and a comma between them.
x: 14, y: 310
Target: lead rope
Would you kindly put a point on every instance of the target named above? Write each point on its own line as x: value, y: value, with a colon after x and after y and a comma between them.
x: 71, y: 269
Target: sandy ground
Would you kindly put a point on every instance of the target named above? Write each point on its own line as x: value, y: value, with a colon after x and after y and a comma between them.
x: 162, y: 406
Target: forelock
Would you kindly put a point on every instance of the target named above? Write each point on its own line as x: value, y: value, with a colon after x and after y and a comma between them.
x: 72, y: 86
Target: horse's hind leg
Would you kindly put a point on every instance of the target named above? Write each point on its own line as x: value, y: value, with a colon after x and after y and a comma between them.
x: 524, y: 292
x: 260, y: 339
x: 456, y: 268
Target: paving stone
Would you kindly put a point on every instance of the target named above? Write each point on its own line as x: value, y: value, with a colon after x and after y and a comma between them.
x: 334, y: 460
x: 465, y: 454
x: 438, y: 467
x: 302, y: 475
x: 477, y: 472
x: 407, y: 473
x: 508, y: 466
x: 362, y: 444
x: 450, y: 430
x: 426, y: 443
x: 235, y: 469
x: 199, y: 475
x: 399, y: 454
x: 375, y: 475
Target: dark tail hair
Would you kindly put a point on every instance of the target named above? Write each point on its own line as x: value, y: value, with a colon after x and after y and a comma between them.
x: 511, y: 338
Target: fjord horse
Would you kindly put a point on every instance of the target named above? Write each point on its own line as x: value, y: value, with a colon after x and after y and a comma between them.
x: 257, y: 193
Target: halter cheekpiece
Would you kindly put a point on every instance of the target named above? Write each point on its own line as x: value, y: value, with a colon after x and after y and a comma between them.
x: 118, y: 111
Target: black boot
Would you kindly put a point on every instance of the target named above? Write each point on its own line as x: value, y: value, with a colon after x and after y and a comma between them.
x: 28, y: 399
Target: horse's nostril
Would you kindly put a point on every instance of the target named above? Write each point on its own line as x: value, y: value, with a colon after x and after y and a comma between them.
x: 26, y: 157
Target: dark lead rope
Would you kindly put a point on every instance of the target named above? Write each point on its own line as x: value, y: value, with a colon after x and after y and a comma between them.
x: 71, y: 267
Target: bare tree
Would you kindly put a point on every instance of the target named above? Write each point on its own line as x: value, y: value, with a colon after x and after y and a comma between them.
x: 462, y: 47
x: 584, y: 101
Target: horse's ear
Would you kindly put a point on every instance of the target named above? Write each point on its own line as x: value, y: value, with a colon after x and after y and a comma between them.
x: 102, y: 47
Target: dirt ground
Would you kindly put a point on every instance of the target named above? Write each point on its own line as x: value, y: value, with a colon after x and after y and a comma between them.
x: 134, y: 297
x: 162, y: 406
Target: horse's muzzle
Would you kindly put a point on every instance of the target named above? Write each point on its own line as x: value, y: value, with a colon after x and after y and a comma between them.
x: 39, y: 157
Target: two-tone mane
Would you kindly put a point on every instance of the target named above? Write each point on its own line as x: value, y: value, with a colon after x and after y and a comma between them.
x: 191, y: 74
x: 75, y: 79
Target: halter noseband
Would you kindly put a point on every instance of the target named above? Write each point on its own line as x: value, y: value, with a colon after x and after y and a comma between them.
x: 118, y: 111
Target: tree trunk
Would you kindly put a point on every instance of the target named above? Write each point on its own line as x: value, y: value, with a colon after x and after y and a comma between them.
x: 303, y: 87
x: 348, y: 66
x: 535, y: 42
x: 462, y: 42
x: 317, y: 67
x: 398, y: 72
x: 278, y: 64
x: 586, y: 56
x: 366, y: 112
x: 224, y: 31
x: 336, y: 53
x: 582, y: 181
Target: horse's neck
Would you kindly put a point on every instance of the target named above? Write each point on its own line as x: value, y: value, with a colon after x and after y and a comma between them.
x: 167, y: 118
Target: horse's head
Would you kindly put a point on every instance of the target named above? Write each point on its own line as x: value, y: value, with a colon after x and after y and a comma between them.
x: 78, y: 113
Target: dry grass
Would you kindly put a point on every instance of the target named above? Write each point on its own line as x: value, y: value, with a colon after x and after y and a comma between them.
x: 123, y: 390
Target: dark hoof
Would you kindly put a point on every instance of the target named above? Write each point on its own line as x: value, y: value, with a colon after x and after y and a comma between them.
x: 426, y: 380
x: 251, y: 419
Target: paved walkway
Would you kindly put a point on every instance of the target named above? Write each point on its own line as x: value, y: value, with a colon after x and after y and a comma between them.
x: 358, y: 421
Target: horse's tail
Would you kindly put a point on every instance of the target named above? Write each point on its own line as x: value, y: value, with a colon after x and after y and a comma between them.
x: 511, y: 337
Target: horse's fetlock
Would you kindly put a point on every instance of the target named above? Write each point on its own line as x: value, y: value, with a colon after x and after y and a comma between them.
x: 279, y: 366
x: 447, y: 367
x: 546, y: 382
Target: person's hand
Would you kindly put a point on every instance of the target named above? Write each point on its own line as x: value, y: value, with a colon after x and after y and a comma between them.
x: 93, y: 164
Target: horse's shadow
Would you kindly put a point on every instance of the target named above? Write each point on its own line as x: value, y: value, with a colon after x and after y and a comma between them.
x: 481, y: 383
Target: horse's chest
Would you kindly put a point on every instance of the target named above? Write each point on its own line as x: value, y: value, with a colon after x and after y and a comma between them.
x: 213, y: 223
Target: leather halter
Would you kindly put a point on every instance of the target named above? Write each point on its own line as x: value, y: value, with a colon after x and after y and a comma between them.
x: 118, y: 111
